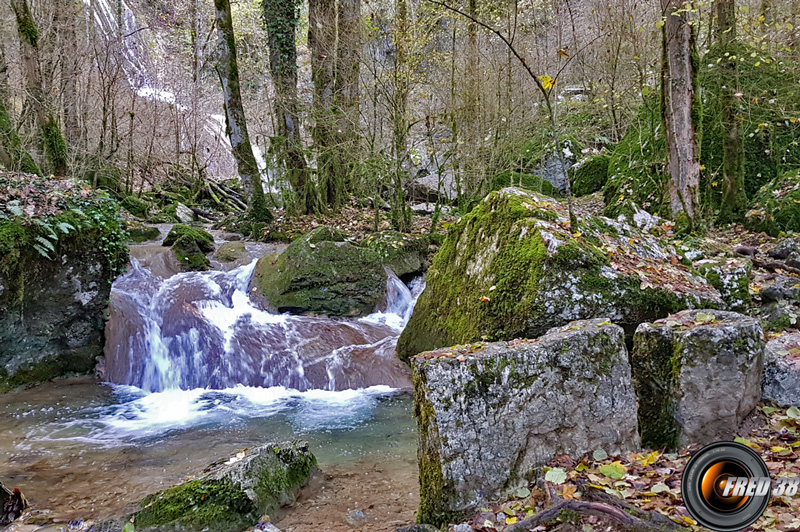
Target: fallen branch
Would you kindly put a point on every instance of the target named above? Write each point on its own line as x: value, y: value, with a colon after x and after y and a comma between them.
x: 622, y: 514
x: 773, y: 265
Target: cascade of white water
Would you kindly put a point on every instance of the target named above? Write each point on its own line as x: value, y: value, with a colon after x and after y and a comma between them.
x: 201, y: 330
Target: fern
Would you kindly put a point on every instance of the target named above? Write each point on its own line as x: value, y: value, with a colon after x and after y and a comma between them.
x: 47, y: 228
x: 46, y: 243
x: 65, y: 228
x: 43, y: 252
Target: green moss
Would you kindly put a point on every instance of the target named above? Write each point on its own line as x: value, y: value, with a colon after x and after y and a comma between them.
x: 776, y: 207
x: 656, y: 365
x: 26, y: 26
x: 55, y: 146
x: 230, y: 252
x: 590, y: 176
x: 19, y: 158
x: 189, y: 255
x: 136, y: 206
x: 319, y: 275
x: 204, y: 241
x: 217, y: 506
x: 142, y: 233
x: 530, y: 182
x: 404, y: 254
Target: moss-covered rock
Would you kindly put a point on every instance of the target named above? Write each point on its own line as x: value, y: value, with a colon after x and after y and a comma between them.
x: 489, y: 414
x: 776, y: 206
x: 697, y: 374
x: 731, y: 277
x: 136, y: 206
x: 589, y: 175
x: 404, y: 254
x: 190, y: 245
x: 527, y: 181
x: 142, y: 233
x: 231, y: 495
x: 231, y: 252
x: 55, y: 277
x: 511, y: 269
x: 321, y: 273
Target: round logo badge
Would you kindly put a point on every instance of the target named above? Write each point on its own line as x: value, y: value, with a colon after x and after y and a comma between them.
x: 726, y: 486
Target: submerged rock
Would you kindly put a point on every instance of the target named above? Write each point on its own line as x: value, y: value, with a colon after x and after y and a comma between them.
x: 698, y: 375
x: 142, y: 233
x: 231, y: 495
x: 231, y: 252
x: 781, y: 382
x: 321, y: 273
x: 489, y: 414
x: 510, y: 268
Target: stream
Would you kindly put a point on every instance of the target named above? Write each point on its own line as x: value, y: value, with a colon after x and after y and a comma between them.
x: 197, y: 372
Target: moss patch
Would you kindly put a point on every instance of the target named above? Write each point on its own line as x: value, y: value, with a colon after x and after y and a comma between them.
x: 136, y: 206
x: 531, y: 182
x: 590, y: 175
x: 776, y: 206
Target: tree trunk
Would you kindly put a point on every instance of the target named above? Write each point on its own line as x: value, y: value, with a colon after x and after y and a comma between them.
x: 235, y: 124
x: 734, y: 199
x: 334, y: 37
x: 53, y: 140
x: 401, y: 219
x: 281, y: 18
x: 681, y: 110
x: 70, y: 70
x: 12, y: 153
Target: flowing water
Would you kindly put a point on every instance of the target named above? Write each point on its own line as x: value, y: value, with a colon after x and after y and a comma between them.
x: 201, y: 372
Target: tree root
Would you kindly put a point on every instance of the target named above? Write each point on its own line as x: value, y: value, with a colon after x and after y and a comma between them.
x: 598, y: 503
x: 773, y: 265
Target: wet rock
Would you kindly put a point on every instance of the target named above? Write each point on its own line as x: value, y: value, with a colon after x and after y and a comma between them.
x: 417, y: 528
x: 52, y: 307
x: 231, y: 252
x: 731, y: 277
x: 698, y: 375
x: 232, y: 494
x: 781, y: 382
x: 190, y: 245
x: 403, y: 254
x: 184, y: 213
x: 510, y: 268
x: 159, y: 260
x: 321, y: 273
x: 488, y: 415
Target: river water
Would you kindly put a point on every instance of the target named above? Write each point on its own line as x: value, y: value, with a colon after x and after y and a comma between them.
x: 201, y: 373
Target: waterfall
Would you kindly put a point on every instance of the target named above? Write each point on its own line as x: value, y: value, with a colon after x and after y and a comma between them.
x: 201, y: 330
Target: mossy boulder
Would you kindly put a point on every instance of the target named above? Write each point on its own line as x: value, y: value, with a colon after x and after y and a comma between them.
x: 56, y: 272
x: 403, y: 254
x: 731, y: 277
x: 698, y: 375
x: 142, y: 233
x: 321, y: 273
x: 589, y: 175
x: 190, y: 245
x: 776, y: 206
x: 527, y: 181
x: 510, y: 268
x: 489, y: 415
x: 780, y: 303
x: 136, y: 206
x: 231, y: 496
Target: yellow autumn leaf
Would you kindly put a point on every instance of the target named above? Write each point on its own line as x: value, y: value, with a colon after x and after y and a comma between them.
x: 547, y: 82
x: 511, y: 520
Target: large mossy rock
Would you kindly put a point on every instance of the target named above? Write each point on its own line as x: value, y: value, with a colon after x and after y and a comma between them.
x: 190, y: 245
x: 781, y: 382
x: 231, y: 496
x: 489, y: 414
x: 321, y: 273
x: 510, y: 268
x: 589, y: 175
x: 56, y: 272
x: 698, y: 375
x: 522, y: 180
x: 731, y: 277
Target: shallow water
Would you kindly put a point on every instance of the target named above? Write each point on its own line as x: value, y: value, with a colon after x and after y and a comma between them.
x: 84, y: 450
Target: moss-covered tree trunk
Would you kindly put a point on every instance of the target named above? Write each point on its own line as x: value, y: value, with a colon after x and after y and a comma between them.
x: 401, y: 219
x: 281, y: 18
x: 68, y: 18
x: 235, y: 124
x: 681, y: 109
x: 734, y: 199
x: 334, y: 36
x: 54, y: 145
x: 12, y: 152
